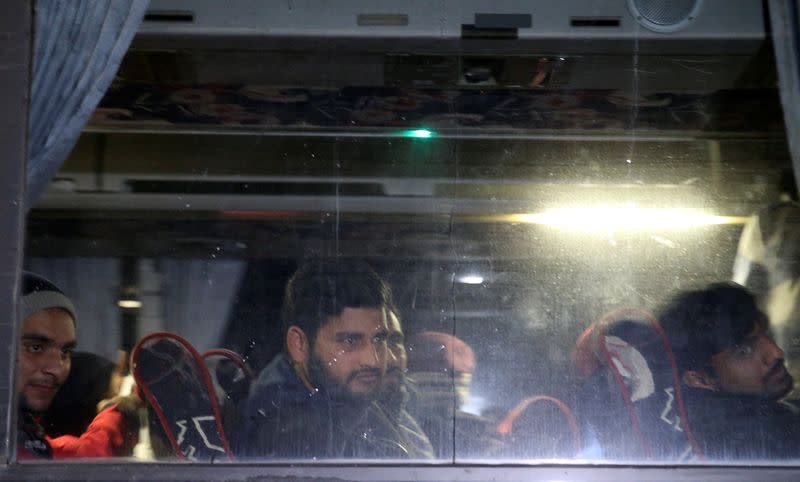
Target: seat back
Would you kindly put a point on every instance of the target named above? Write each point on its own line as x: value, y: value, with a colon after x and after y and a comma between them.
x: 631, y: 397
x: 542, y: 427
x: 231, y: 375
x: 174, y: 382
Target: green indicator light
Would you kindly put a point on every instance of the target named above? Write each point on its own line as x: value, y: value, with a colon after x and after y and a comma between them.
x: 418, y: 133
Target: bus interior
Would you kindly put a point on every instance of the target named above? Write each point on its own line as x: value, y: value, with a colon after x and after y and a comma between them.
x: 513, y: 173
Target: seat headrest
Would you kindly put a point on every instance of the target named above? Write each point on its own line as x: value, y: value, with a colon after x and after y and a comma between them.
x: 639, y: 341
x: 629, y: 349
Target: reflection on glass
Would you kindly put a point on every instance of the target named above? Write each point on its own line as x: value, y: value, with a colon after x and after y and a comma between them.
x: 430, y: 257
x: 628, y: 217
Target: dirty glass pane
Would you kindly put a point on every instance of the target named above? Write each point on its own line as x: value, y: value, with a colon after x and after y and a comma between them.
x: 437, y: 233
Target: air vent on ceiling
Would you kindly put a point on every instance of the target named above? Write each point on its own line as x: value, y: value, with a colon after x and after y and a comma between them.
x: 594, y: 22
x: 472, y: 32
x: 162, y: 16
x: 499, y: 26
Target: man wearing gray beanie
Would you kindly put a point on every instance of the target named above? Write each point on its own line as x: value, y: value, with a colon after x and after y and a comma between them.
x: 46, y: 342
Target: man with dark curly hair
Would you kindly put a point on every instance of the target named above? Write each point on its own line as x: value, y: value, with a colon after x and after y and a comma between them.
x: 733, y: 373
x: 318, y: 398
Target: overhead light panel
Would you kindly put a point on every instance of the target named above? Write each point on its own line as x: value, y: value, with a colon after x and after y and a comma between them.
x: 418, y: 133
x: 131, y: 304
x: 470, y: 279
x: 626, y: 217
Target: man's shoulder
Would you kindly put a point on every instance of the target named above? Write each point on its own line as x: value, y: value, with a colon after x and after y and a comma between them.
x: 278, y: 417
x: 742, y: 428
x: 277, y: 383
x: 788, y: 409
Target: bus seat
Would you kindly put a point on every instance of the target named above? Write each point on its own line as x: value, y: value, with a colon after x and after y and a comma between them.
x: 232, y: 377
x: 178, y: 390
x: 540, y: 426
x: 631, y: 400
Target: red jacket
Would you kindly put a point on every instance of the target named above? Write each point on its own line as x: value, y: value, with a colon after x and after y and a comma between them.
x: 106, y: 436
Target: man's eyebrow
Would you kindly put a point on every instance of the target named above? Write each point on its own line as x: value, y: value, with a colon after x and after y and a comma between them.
x: 38, y: 337
x: 349, y: 334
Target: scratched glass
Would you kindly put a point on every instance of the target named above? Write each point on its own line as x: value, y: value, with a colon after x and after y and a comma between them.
x: 533, y: 198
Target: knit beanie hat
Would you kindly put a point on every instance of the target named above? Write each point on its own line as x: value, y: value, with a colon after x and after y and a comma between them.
x: 39, y: 294
x: 441, y: 366
x: 432, y: 351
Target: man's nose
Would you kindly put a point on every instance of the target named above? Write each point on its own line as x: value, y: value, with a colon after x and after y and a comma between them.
x: 773, y: 352
x: 55, y: 363
x: 376, y: 355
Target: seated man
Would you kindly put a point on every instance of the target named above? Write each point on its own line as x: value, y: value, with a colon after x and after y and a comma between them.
x: 733, y: 373
x: 395, y: 394
x: 47, y: 339
x: 441, y: 366
x: 317, y: 398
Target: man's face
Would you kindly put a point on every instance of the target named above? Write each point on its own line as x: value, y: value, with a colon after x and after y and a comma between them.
x: 754, y: 367
x: 350, y: 353
x: 47, y: 339
x: 397, y: 362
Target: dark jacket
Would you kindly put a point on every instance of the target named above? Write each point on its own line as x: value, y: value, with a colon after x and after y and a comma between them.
x: 453, y: 433
x: 415, y: 440
x: 283, y: 419
x: 31, y: 439
x: 733, y: 427
x: 418, y: 445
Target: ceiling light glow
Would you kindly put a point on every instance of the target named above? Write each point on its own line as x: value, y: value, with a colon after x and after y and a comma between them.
x: 418, y: 133
x: 625, y: 218
x: 471, y: 279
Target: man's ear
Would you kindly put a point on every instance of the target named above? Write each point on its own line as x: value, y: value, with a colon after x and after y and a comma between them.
x: 297, y: 345
x: 699, y: 379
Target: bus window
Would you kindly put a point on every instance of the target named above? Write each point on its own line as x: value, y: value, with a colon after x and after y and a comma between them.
x: 469, y: 233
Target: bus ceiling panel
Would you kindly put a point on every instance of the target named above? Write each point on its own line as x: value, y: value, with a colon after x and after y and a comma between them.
x: 455, y: 25
x: 466, y: 69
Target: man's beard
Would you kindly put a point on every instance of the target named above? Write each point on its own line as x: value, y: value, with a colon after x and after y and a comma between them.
x: 334, y: 389
x: 22, y: 403
x: 394, y: 396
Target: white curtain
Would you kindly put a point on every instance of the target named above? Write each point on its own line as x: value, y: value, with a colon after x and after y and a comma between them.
x: 78, y: 46
x: 93, y: 286
x: 198, y: 296
x: 785, y: 21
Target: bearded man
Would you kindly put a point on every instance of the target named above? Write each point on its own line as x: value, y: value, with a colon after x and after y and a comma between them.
x: 317, y: 399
